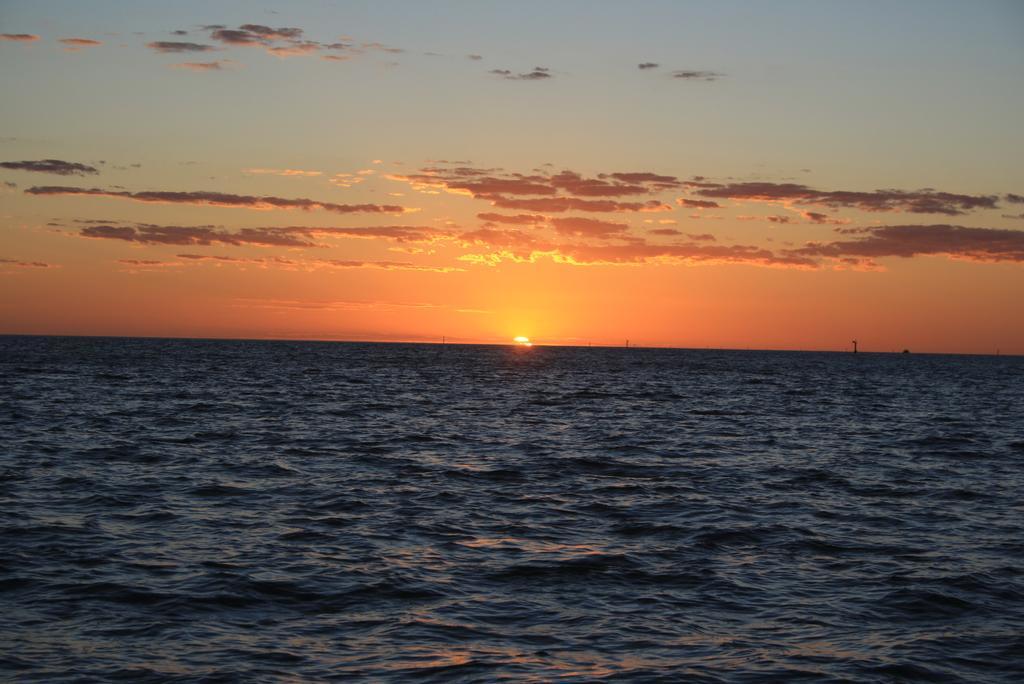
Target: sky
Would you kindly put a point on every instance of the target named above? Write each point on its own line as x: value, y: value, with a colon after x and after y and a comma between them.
x: 783, y: 175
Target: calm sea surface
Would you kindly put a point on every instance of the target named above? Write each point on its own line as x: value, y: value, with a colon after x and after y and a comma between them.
x: 274, y: 511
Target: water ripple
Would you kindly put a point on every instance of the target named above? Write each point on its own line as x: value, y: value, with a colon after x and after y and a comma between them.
x: 271, y: 511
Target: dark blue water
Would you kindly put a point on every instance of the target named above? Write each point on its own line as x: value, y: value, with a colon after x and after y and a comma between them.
x: 272, y: 511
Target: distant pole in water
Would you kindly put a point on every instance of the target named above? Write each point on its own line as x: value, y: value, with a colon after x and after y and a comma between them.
x: 443, y: 339
x: 627, y: 344
x: 855, y: 346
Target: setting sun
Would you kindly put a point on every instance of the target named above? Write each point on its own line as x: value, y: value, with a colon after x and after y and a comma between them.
x: 522, y: 341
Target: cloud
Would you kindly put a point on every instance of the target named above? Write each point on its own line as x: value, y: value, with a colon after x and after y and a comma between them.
x: 343, y: 305
x: 465, y: 180
x: 568, y: 190
x: 685, y: 252
x: 258, y: 35
x: 975, y: 244
x: 477, y: 182
x: 697, y: 204
x: 770, y: 219
x: 283, y: 172
x: 518, y: 219
x: 385, y: 265
x: 689, y: 75
x: 346, y: 180
x: 506, y: 186
x: 19, y: 37
x: 192, y: 235
x: 383, y: 48
x: 562, y: 204
x: 295, y: 49
x: 26, y: 264
x: 311, y: 264
x: 925, y: 201
x: 654, y: 181
x: 276, y: 236
x: 575, y: 184
x: 173, y: 47
x: 143, y: 265
x: 55, y: 166
x: 538, y: 74
x: 269, y: 33
x: 696, y: 237
x: 585, y: 227
x: 220, y: 199
x: 647, y: 65
x: 395, y: 233
x: 858, y: 251
x: 75, y: 44
x: 1014, y: 198
x: 562, y: 191
x: 213, y: 257
x: 145, y: 262
x: 515, y: 245
x: 237, y: 37
x: 504, y: 238
x: 818, y: 217
x: 201, y: 66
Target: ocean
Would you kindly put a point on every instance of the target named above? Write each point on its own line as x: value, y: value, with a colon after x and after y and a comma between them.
x: 208, y: 511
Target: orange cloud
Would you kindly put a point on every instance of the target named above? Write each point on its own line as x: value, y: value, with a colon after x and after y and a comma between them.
x: 515, y: 245
x: 220, y: 199
x: 283, y: 172
x: 277, y: 236
x: 54, y: 166
x: 585, y: 227
x: 974, y: 244
x: 518, y: 219
x: 385, y: 265
x: 201, y: 66
x: 575, y: 184
x: 295, y: 49
x: 818, y: 217
x: 917, y: 201
x: 75, y: 44
x: 26, y: 264
x: 556, y: 193
x: 562, y: 204
x: 168, y: 46
x: 697, y: 204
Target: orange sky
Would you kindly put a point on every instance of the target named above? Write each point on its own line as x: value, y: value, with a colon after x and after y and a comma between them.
x: 339, y: 176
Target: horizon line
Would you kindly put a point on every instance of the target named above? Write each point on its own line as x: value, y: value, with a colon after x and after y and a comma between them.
x: 443, y: 341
